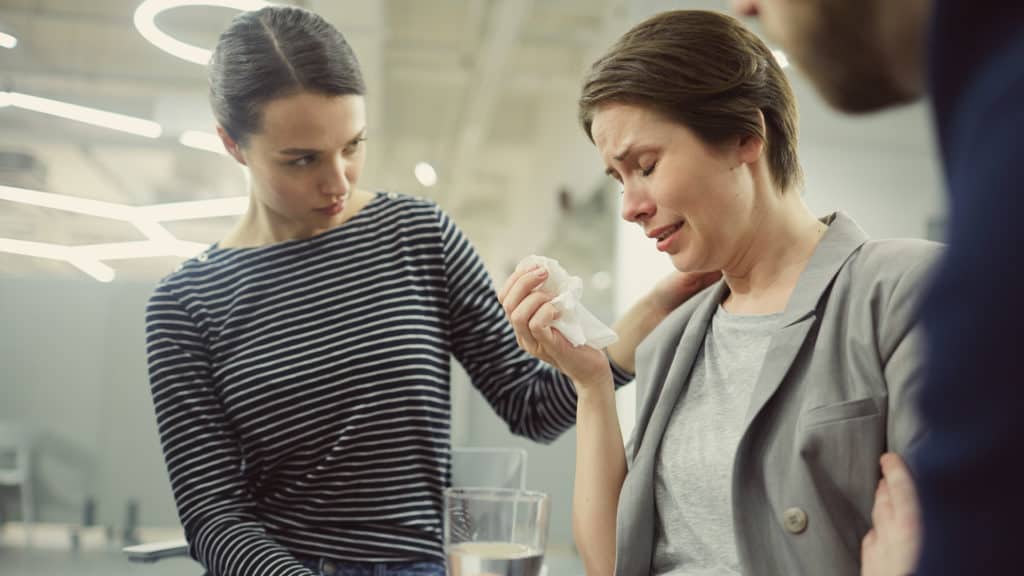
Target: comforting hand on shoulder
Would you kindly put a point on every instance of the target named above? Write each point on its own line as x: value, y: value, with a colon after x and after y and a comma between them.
x: 671, y: 291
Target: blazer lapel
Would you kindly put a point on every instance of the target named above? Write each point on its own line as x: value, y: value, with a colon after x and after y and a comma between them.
x: 671, y: 371
x: 841, y: 241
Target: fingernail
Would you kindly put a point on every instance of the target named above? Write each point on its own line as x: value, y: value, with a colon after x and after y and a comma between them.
x: 541, y: 273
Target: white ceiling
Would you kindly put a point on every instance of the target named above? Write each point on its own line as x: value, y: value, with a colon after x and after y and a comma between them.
x: 463, y: 84
x: 485, y: 90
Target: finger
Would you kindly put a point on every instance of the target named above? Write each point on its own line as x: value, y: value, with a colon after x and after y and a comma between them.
x: 709, y: 278
x: 511, y: 280
x: 548, y: 337
x: 524, y: 285
x: 881, y: 511
x: 543, y: 318
x: 521, y: 316
x: 867, y: 546
x: 902, y: 492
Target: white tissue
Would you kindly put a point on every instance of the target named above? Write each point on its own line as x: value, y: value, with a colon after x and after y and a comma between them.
x: 576, y: 323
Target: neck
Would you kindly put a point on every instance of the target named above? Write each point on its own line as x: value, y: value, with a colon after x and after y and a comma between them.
x: 262, y: 226
x: 766, y: 271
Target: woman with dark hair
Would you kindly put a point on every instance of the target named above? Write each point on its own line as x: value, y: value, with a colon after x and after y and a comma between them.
x: 300, y: 366
x: 766, y: 402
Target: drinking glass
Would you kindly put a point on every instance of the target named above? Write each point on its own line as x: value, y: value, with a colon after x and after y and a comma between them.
x: 495, y: 532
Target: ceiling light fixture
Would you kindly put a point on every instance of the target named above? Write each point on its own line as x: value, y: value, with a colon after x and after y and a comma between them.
x: 88, y: 258
x: 195, y: 209
x: 67, y: 203
x: 781, y: 58
x: 202, y: 141
x: 7, y: 41
x: 92, y: 267
x: 145, y: 23
x: 425, y: 174
x: 101, y: 118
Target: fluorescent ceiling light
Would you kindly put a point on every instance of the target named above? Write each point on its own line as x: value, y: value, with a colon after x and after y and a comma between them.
x: 7, y: 41
x: 781, y: 58
x: 425, y: 174
x: 96, y: 269
x: 202, y: 141
x: 145, y: 23
x: 160, y: 242
x: 139, y: 215
x: 195, y: 210
x: 90, y: 266
x: 67, y: 203
x: 36, y: 249
x: 102, y: 118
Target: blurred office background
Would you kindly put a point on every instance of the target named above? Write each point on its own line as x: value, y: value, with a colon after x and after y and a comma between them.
x: 484, y: 91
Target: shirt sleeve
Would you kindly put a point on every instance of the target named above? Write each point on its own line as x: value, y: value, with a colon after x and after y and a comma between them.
x: 201, y: 452
x: 536, y: 400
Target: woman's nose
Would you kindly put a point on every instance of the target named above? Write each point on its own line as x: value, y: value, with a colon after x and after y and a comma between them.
x: 637, y: 205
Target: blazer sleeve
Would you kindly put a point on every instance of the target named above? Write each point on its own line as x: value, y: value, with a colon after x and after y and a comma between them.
x: 902, y: 351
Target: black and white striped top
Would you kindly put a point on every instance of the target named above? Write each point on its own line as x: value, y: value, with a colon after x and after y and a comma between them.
x: 302, y: 389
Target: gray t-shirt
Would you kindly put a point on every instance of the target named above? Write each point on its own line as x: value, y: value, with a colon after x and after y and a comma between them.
x: 693, y: 475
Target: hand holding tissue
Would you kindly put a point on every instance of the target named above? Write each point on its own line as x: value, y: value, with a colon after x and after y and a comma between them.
x: 576, y: 323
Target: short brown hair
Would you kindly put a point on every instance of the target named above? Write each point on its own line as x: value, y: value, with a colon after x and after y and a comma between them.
x: 706, y: 71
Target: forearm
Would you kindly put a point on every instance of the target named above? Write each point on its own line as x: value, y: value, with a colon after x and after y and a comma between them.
x: 600, y: 471
x: 632, y: 328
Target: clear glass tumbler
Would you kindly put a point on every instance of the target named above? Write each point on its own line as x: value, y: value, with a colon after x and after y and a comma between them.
x: 495, y: 532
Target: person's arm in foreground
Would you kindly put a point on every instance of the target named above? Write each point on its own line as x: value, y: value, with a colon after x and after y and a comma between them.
x: 600, y: 455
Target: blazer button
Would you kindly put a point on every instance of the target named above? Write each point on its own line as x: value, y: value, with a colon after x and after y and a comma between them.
x: 329, y: 568
x: 795, y: 520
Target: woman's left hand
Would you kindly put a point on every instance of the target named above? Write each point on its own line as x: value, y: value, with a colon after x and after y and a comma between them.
x: 892, y: 545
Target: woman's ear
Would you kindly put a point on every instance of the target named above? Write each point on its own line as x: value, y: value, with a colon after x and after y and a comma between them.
x: 231, y: 146
x: 751, y: 146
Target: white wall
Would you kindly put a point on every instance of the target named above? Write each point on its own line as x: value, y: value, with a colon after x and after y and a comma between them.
x: 74, y: 372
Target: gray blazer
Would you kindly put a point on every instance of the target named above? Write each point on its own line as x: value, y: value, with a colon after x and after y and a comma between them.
x: 835, y: 392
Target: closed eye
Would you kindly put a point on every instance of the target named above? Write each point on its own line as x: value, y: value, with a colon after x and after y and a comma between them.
x: 649, y: 170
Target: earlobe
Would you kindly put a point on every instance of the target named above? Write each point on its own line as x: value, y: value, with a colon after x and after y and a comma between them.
x: 230, y: 146
x: 751, y: 146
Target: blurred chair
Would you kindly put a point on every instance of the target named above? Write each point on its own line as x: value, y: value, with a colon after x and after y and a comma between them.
x: 471, y: 467
x: 15, y: 451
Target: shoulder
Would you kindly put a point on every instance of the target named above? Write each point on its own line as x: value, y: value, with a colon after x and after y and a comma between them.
x: 409, y: 211
x: 882, y: 287
x: 890, y: 264
x: 408, y: 202
x: 196, y: 279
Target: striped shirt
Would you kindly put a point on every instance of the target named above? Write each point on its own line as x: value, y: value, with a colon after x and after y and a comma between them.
x: 302, y: 390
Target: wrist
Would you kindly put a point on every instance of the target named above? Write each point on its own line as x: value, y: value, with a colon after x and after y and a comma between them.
x: 595, y: 391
